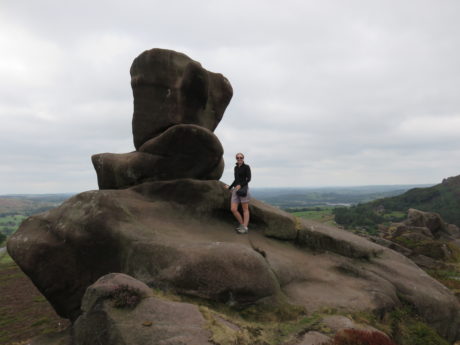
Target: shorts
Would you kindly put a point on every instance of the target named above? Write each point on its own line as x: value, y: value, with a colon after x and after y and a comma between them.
x: 240, y: 199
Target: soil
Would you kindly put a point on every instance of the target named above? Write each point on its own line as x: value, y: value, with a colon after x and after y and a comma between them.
x: 24, y: 312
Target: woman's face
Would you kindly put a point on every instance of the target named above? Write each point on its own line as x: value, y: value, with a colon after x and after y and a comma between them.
x: 239, y: 158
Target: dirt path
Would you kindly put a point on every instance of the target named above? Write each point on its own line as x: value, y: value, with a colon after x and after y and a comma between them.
x: 24, y: 312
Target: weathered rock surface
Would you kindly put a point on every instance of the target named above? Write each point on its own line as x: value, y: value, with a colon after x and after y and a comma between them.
x: 431, y: 221
x: 182, y: 151
x: 177, y: 106
x: 314, y: 338
x: 425, y: 238
x: 179, y: 235
x: 169, y: 88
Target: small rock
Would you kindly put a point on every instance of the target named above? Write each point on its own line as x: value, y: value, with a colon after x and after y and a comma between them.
x: 314, y: 338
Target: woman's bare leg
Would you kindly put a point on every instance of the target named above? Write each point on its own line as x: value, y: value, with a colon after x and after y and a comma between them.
x: 234, y: 209
x: 245, y: 206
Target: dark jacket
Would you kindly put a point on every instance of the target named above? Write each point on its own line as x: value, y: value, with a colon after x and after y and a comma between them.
x: 242, y: 175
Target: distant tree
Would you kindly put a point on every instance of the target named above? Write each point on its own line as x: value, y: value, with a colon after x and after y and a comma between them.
x: 2, y: 238
x: 361, y: 216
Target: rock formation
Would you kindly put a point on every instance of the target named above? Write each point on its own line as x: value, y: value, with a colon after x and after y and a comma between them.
x: 177, y: 106
x: 162, y: 217
x: 425, y: 238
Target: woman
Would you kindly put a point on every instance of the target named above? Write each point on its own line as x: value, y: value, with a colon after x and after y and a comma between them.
x: 242, y: 177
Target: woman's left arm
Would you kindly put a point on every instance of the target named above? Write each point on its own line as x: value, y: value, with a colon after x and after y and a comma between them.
x: 248, y: 174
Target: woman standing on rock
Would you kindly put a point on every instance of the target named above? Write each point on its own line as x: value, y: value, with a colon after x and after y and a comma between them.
x: 240, y: 193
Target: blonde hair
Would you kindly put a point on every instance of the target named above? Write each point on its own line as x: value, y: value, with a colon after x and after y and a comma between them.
x: 239, y: 153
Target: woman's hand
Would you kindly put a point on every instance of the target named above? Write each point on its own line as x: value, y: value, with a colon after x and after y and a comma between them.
x: 238, y: 187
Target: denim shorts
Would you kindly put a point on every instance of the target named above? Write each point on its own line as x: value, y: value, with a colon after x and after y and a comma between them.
x: 236, y: 199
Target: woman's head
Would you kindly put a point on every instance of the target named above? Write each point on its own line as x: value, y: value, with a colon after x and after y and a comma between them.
x: 239, y: 157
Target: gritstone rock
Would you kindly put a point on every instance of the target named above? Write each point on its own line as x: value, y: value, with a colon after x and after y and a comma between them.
x: 177, y: 106
x: 151, y: 321
x: 169, y: 88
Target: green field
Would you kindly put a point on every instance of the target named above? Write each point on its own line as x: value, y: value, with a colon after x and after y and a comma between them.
x: 8, y: 225
x: 319, y: 214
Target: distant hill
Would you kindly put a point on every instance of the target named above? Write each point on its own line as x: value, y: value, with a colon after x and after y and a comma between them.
x: 288, y: 198
x: 443, y: 198
x: 28, y: 204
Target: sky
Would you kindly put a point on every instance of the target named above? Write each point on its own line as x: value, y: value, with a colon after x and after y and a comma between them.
x: 326, y: 93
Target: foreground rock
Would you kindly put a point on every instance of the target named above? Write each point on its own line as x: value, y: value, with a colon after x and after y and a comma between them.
x: 109, y: 319
x: 178, y: 235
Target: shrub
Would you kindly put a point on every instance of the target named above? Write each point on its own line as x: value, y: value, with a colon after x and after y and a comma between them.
x: 360, y: 337
x: 125, y: 296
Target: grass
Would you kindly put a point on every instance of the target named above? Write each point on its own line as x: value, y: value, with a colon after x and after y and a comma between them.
x: 16, y: 219
x: 449, y: 278
x: 230, y: 328
x: 403, y: 325
x: 5, y: 259
x: 395, y: 216
x: 24, y: 312
x: 319, y: 214
x: 10, y: 222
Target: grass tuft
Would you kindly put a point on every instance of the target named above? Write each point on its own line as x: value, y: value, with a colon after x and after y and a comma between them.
x: 125, y: 296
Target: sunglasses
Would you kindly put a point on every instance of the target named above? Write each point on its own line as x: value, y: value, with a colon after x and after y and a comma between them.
x: 239, y: 157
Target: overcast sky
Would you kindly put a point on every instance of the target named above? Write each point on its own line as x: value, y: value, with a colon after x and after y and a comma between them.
x: 326, y: 93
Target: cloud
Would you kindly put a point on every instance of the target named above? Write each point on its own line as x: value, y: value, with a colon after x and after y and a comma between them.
x: 325, y: 93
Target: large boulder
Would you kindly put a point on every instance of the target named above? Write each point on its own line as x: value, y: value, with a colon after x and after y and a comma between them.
x: 425, y: 238
x: 109, y: 317
x: 432, y: 221
x: 169, y: 88
x: 177, y: 106
x: 143, y: 234
x: 179, y: 236
x: 182, y: 151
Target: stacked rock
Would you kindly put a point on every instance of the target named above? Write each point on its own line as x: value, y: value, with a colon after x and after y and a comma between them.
x: 177, y: 106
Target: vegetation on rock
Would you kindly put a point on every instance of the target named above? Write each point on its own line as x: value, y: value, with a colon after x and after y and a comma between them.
x: 125, y: 296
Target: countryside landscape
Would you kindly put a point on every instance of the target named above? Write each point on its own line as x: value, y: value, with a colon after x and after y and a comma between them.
x: 229, y: 173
